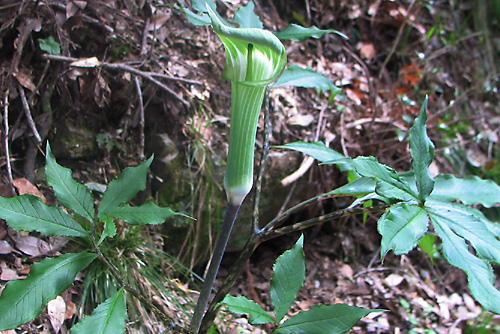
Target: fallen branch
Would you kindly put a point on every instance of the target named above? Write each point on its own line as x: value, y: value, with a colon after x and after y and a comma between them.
x: 6, y: 140
x: 27, y: 112
x: 122, y: 67
x: 141, y: 119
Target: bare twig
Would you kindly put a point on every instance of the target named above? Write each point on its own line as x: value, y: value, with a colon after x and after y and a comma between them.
x: 6, y: 139
x: 141, y: 118
x: 308, y: 161
x: 483, y: 19
x: 263, y: 159
x: 27, y: 112
x: 396, y: 40
x: 369, y: 80
x: 126, y: 68
x: 270, y: 234
x: 304, y: 167
x: 37, y: 87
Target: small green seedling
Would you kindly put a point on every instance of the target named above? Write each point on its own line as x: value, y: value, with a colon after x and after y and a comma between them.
x: 286, y: 282
x: 23, y: 300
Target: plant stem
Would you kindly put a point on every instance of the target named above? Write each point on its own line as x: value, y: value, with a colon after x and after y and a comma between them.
x: 229, y: 281
x: 263, y: 159
x: 273, y: 233
x: 252, y: 242
x: 213, y: 269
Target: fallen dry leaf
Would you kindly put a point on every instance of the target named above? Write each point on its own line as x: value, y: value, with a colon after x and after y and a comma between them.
x: 394, y: 280
x: 301, y: 120
x: 32, y: 246
x: 5, y: 247
x: 56, y: 309
x: 6, y: 190
x: 86, y: 62
x: 24, y: 80
x: 9, y: 275
x: 24, y: 186
x: 158, y: 20
x: 367, y: 51
x: 70, y: 309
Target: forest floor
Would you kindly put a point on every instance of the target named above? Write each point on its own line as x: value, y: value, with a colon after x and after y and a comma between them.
x: 130, y: 78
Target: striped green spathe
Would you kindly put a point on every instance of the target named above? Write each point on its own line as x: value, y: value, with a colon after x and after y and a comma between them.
x: 255, y: 58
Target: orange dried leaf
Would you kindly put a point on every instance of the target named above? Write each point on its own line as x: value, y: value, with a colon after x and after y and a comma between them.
x: 367, y: 51
x: 24, y: 186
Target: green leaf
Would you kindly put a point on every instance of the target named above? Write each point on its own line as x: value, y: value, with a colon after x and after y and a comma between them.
x: 245, y: 17
x: 298, y: 33
x: 469, y: 190
x: 389, y: 182
x: 69, y: 193
x: 470, y: 224
x: 479, y: 272
x: 427, y: 245
x: 148, y: 213
x: 50, y: 45
x: 323, y: 319
x: 422, y: 153
x: 29, y: 213
x: 23, y: 300
x: 297, y: 76
x: 198, y: 20
x: 288, y: 278
x: 109, y: 228
x: 359, y: 187
x: 201, y: 5
x: 317, y: 150
x: 401, y: 227
x: 125, y: 188
x: 242, y: 305
x: 108, y: 317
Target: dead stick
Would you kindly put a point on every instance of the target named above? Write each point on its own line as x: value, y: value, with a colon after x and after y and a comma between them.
x: 27, y: 112
x: 141, y: 119
x: 396, y: 40
x: 6, y: 139
x: 126, y: 68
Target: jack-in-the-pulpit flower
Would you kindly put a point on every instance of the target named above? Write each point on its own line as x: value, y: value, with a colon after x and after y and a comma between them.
x: 255, y: 58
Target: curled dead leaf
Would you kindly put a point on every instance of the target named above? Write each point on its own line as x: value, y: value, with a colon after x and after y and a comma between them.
x: 24, y: 80
x: 5, y: 247
x: 23, y: 186
x: 367, y: 51
x: 56, y: 309
x: 86, y: 62
x: 32, y: 246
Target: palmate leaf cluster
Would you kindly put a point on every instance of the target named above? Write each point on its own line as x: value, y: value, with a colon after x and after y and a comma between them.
x: 420, y: 205
x: 23, y: 300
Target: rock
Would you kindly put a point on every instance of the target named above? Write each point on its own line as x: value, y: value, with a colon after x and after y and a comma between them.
x: 71, y: 141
